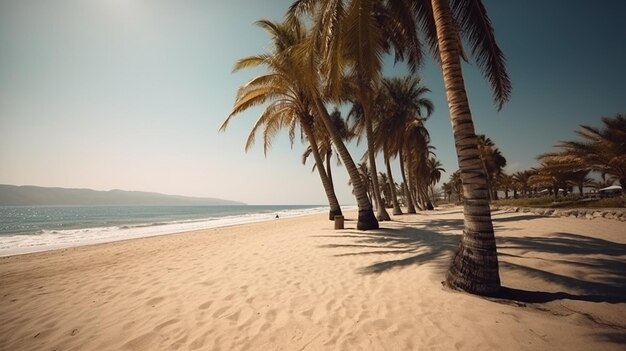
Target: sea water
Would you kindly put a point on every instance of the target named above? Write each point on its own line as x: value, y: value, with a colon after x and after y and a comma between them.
x: 30, y: 229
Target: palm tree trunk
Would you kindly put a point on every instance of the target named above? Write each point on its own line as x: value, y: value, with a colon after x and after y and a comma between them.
x: 367, y: 219
x: 427, y: 200
x: 381, y: 212
x: 413, y: 189
x: 474, y: 267
x: 394, y: 197
x: 335, y: 209
x: 409, y: 200
x: 328, y: 167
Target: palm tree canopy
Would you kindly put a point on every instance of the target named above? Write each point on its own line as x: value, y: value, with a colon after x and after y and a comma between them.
x: 603, y: 150
x: 279, y: 89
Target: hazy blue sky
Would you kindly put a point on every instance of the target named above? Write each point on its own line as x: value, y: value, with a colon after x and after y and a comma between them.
x: 130, y: 94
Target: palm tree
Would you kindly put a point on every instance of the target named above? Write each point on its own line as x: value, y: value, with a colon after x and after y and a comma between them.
x: 602, y: 150
x: 415, y: 152
x: 435, y: 169
x: 551, y: 175
x: 493, y: 162
x: 506, y: 182
x: 521, y: 178
x: 475, y: 265
x: 456, y: 185
x: 308, y: 76
x: 288, y: 104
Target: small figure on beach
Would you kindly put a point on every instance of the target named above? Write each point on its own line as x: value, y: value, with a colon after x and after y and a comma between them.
x: 276, y: 216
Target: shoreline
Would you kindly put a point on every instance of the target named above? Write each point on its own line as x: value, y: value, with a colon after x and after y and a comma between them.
x: 47, y: 240
x: 297, y: 283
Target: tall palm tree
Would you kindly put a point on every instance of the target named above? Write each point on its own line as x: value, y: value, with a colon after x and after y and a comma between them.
x: 475, y: 265
x: 287, y: 101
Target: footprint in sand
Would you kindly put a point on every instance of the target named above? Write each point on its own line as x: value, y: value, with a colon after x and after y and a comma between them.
x: 229, y: 297
x: 308, y: 313
x: 154, y: 301
x: 138, y: 292
x: 205, y: 305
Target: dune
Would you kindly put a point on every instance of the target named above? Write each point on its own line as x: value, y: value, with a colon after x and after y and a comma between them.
x: 298, y: 284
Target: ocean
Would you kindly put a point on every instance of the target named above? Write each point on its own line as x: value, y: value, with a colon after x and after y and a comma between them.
x: 26, y: 229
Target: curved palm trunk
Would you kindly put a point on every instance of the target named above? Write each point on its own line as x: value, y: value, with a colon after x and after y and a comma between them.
x: 394, y: 197
x: 409, y: 200
x: 328, y: 168
x: 335, y: 209
x: 475, y: 265
x: 428, y: 204
x: 413, y: 189
x: 381, y: 212
x: 367, y: 219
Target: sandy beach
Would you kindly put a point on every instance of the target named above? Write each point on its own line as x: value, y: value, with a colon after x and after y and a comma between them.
x: 298, y: 284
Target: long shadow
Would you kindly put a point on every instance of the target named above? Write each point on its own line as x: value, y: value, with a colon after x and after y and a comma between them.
x: 615, y: 337
x: 425, y: 245
x: 529, y: 296
x: 603, y: 259
x: 563, y: 243
x: 458, y: 224
x: 516, y: 218
x: 429, y: 246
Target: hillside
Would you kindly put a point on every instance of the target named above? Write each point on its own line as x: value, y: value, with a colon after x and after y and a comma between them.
x: 12, y: 195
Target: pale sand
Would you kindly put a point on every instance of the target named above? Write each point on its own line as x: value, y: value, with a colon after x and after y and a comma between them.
x: 298, y: 284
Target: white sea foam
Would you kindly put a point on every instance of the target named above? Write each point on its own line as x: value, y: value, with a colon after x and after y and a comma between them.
x: 57, y: 239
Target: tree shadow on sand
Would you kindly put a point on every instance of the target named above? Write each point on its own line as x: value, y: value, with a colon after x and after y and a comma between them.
x: 603, y: 260
x: 423, y: 246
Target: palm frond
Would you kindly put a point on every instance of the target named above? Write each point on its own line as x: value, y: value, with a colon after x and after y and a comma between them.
x: 471, y: 16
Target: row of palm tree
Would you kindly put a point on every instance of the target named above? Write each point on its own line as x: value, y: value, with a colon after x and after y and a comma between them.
x: 338, y: 59
x: 601, y: 150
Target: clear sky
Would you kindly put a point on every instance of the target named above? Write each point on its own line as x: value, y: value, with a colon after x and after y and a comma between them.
x: 129, y: 94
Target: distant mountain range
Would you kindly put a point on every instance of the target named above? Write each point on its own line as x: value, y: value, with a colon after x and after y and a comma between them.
x: 28, y: 195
